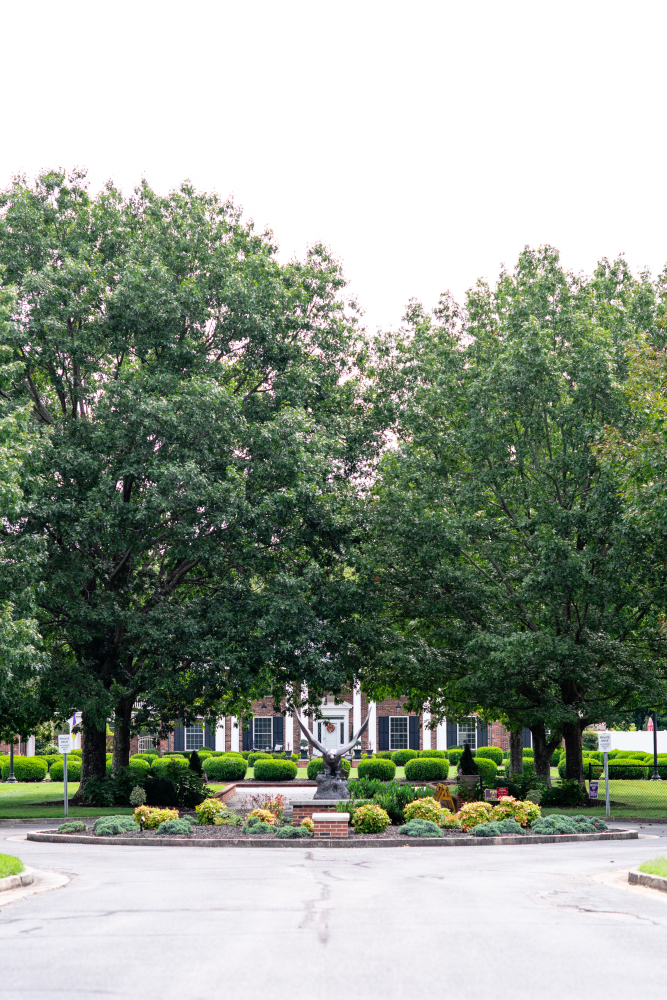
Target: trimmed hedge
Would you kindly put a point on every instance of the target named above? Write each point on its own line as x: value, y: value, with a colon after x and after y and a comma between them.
x: 384, y: 754
x: 232, y: 768
x: 401, y: 757
x: 528, y: 752
x: 597, y: 767
x: 377, y: 767
x: 493, y: 753
x: 433, y: 753
x: 73, y: 769
x: 27, y: 768
x: 317, y: 764
x: 257, y: 755
x: 627, y: 770
x: 454, y: 756
x: 160, y: 764
x: 275, y: 770
x: 426, y: 769
x: 487, y: 768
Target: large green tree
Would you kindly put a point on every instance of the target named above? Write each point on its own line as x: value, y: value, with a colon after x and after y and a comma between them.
x: 198, y: 430
x: 508, y: 572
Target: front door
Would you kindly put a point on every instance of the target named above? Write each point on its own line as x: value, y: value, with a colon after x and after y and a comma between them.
x: 331, y: 733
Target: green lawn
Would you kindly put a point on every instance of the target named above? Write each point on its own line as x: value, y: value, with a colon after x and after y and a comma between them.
x: 657, y: 866
x: 9, y: 865
x: 24, y: 799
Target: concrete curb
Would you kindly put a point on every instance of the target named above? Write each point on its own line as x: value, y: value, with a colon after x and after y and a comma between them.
x: 635, y: 877
x: 62, y: 838
x: 26, y: 877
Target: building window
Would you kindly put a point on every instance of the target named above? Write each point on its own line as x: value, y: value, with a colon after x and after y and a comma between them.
x: 398, y: 733
x: 263, y: 733
x: 468, y: 733
x: 194, y: 737
x: 146, y: 743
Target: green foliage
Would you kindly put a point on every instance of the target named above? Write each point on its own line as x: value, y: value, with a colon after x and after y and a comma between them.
x: 73, y: 769
x: 370, y: 819
x: 425, y: 808
x: 174, y: 828
x: 528, y: 752
x: 590, y: 741
x: 556, y: 824
x: 467, y: 764
x: 26, y: 768
x: 391, y: 796
x: 256, y: 755
x: 275, y: 770
x: 171, y: 764
x: 626, y: 770
x: 497, y: 829
x: 568, y: 793
x: 194, y: 763
x: 10, y: 865
x: 556, y: 756
x: 294, y: 832
x: 260, y: 828
x: 227, y: 768
x: 420, y: 828
x: 454, y: 756
x: 316, y: 765
x: 73, y: 826
x: 487, y: 768
x: 377, y: 767
x: 426, y: 769
x: 434, y: 753
x: 656, y: 866
x: 493, y: 753
x: 595, y: 766
x: 401, y: 757
x: 111, y: 826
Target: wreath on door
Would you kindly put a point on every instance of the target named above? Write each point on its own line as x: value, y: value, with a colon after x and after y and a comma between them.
x: 330, y: 726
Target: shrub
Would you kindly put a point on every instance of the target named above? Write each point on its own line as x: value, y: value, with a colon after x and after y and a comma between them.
x: 111, y: 826
x: 175, y: 828
x: 556, y: 756
x: 255, y: 755
x: 426, y: 769
x: 626, y: 770
x: 228, y: 819
x: 76, y: 753
x: 401, y: 757
x: 317, y: 764
x: 377, y: 767
x: 434, y: 753
x: 568, y: 824
x: 208, y: 810
x: 29, y: 768
x: 473, y: 813
x: 275, y: 770
x: 72, y: 826
x: 205, y: 752
x: 371, y: 818
x: 137, y: 796
x: 487, y: 768
x: 467, y: 764
x: 261, y: 816
x: 161, y: 765
x: 384, y: 754
x: 497, y: 829
x: 420, y: 828
x: 493, y: 753
x: 454, y: 755
x: 523, y: 812
x: 287, y: 832
x: 528, y: 752
x: 57, y: 769
x: 450, y: 822
x: 568, y: 793
x: 596, y: 767
x: 308, y: 823
x: 391, y: 796
x: 153, y: 817
x: 194, y: 762
x: 228, y: 768
x: 260, y: 828
x: 149, y: 756
x: 49, y: 758
x: 426, y: 809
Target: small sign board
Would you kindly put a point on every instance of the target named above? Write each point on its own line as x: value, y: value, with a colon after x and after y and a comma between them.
x: 604, y: 742
x: 491, y: 794
x: 593, y: 787
x: 444, y: 796
x: 501, y: 792
x: 65, y: 744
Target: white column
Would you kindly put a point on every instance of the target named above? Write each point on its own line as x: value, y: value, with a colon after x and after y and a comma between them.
x: 426, y: 732
x: 356, y: 710
x: 235, y: 734
x: 220, y: 734
x: 288, y: 727
x: 372, y: 728
x: 441, y: 735
x: 30, y: 748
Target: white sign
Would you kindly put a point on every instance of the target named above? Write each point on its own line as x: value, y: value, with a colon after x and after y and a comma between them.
x: 65, y: 744
x: 604, y: 742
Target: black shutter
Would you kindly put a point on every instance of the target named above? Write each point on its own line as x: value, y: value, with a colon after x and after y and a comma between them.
x: 209, y: 737
x: 482, y: 734
x: 247, y: 735
x: 179, y: 738
x: 452, y: 734
x: 526, y: 738
x: 278, y: 729
x: 383, y: 732
x: 413, y: 732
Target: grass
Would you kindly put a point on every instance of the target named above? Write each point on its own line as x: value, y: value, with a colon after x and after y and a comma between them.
x: 24, y: 800
x: 9, y: 865
x: 656, y: 866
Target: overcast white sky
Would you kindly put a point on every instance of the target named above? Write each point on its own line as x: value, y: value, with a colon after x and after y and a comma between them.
x: 425, y: 143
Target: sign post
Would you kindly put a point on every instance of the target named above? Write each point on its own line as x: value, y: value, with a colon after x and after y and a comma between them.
x: 604, y: 742
x: 64, y: 747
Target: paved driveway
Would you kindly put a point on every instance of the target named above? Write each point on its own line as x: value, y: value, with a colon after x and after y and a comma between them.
x: 196, y: 924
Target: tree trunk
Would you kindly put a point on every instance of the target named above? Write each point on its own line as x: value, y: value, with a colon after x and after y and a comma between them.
x: 574, y: 767
x: 121, y: 732
x: 94, y: 757
x: 516, y: 753
x: 543, y: 749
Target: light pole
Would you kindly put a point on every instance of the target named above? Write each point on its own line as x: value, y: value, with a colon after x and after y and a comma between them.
x: 10, y: 777
x: 655, y: 776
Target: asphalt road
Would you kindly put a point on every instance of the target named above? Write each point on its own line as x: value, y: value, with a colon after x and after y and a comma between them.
x: 196, y: 924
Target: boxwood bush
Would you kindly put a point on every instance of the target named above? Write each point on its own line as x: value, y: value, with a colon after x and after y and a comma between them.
x: 27, y: 768
x: 227, y: 768
x: 493, y: 753
x: 454, y: 755
x: 596, y: 767
x: 73, y: 769
x: 160, y: 764
x: 316, y: 765
x: 487, y: 768
x: 377, y: 767
x: 401, y: 757
x: 626, y: 770
x: 384, y: 754
x: 257, y: 755
x: 434, y: 753
x: 527, y: 752
x: 426, y: 769
x: 275, y: 770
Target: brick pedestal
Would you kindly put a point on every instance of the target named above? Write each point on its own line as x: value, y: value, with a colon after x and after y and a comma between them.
x: 304, y: 808
x: 330, y: 824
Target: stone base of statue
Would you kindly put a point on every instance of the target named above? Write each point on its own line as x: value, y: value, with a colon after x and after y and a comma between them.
x: 330, y: 787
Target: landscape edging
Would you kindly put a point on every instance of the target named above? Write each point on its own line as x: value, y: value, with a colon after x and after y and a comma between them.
x: 635, y: 877
x: 26, y: 877
x: 63, y: 838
